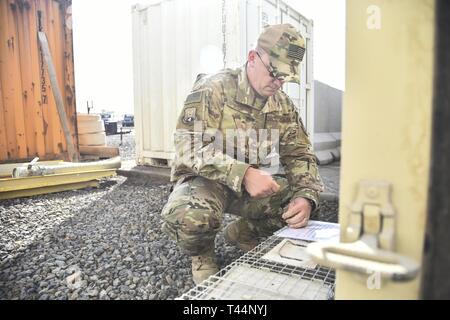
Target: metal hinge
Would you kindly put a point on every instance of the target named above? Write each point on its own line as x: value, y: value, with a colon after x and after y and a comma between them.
x: 372, y: 216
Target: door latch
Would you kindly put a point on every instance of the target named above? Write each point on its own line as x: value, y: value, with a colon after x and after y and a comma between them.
x: 369, y: 239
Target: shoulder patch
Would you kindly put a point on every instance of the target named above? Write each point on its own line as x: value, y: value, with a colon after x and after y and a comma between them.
x: 190, y: 116
x: 195, y: 97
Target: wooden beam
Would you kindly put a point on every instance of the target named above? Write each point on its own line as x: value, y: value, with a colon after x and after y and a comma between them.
x: 102, y: 152
x: 58, y: 97
x: 47, y: 190
x: 15, y: 184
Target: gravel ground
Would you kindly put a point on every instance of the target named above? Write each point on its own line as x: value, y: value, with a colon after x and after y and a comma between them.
x: 126, y: 146
x: 331, y: 177
x: 100, y: 243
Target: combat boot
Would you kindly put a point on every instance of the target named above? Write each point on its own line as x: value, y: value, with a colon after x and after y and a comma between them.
x: 203, y: 267
x: 239, y: 234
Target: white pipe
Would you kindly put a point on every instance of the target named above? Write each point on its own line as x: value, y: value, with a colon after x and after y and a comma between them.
x: 66, y: 167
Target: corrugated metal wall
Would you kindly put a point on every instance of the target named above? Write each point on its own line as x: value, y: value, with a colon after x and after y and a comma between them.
x: 29, y: 121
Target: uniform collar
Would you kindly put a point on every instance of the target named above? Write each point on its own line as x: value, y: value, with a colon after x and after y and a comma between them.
x: 247, y: 95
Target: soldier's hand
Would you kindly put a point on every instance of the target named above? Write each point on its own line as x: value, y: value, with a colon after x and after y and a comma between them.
x: 259, y: 184
x: 298, y: 213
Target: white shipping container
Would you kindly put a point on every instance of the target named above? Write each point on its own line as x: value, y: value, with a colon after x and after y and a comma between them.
x: 175, y: 40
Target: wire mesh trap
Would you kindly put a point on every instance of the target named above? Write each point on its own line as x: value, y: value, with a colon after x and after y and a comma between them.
x: 277, y: 269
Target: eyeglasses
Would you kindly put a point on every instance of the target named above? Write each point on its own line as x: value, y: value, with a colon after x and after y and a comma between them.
x: 270, y: 70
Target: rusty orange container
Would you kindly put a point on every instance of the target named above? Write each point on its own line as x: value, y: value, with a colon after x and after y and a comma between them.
x: 29, y: 121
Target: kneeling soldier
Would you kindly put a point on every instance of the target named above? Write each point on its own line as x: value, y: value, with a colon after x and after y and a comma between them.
x: 232, y: 127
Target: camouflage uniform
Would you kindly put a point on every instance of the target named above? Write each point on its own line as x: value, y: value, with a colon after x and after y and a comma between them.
x: 209, y: 178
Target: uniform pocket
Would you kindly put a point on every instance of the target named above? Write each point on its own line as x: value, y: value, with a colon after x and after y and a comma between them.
x: 236, y: 118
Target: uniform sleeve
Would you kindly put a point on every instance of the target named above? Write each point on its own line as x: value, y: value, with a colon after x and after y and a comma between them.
x: 299, y: 161
x: 199, y: 143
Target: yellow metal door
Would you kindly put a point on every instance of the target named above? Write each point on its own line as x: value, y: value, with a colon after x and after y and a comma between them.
x: 387, y: 127
x: 386, y: 151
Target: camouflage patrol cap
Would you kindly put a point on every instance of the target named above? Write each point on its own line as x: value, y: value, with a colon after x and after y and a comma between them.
x: 286, y: 48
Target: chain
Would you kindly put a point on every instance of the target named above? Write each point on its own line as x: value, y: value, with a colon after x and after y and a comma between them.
x: 224, y: 33
x: 41, y: 54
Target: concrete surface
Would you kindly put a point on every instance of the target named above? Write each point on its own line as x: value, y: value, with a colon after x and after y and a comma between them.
x: 327, y: 147
x: 327, y: 123
x: 327, y: 108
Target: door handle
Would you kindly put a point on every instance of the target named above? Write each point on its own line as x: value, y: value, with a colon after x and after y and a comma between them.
x: 361, y: 258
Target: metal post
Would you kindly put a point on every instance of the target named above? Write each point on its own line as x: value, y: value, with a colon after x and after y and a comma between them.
x: 435, y: 281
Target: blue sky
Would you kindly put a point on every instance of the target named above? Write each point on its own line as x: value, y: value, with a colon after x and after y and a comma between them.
x: 103, y: 49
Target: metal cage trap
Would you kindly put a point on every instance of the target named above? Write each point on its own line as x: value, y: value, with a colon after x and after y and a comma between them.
x: 277, y: 269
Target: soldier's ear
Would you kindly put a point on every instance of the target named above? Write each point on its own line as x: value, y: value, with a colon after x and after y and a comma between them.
x: 251, y: 57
